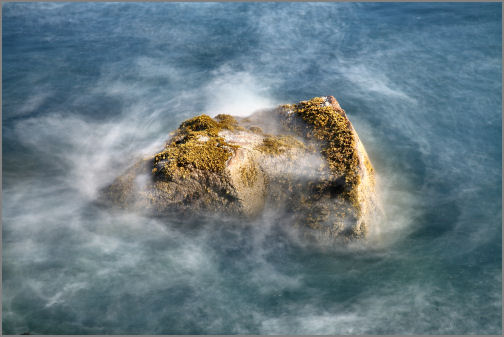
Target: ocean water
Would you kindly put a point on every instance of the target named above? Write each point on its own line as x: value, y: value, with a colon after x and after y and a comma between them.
x: 87, y: 87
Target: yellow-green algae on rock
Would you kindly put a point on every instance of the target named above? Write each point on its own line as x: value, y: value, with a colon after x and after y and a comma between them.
x: 196, y: 145
x: 305, y: 159
x: 351, y: 181
x: 275, y: 145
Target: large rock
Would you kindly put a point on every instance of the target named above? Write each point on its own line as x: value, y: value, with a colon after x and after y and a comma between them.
x: 304, y: 159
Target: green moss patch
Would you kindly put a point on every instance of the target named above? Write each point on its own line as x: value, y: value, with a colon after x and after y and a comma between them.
x: 333, y: 130
x: 248, y: 175
x: 256, y: 129
x: 278, y: 144
x: 195, y: 145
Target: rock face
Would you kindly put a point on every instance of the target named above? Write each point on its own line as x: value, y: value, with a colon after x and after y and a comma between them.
x: 304, y: 159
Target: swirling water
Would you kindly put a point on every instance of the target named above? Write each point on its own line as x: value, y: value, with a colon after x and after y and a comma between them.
x: 88, y: 86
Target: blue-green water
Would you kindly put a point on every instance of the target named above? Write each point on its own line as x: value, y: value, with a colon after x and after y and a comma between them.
x: 87, y: 86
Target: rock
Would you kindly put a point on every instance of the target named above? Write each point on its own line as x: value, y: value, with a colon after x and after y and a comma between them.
x: 304, y: 159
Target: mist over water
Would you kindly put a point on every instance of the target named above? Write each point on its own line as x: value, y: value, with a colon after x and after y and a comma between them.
x: 90, y: 87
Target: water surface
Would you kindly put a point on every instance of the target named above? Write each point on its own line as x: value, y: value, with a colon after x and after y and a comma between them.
x: 88, y: 86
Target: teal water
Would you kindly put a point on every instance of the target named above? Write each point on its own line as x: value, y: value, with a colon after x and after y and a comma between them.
x: 87, y: 86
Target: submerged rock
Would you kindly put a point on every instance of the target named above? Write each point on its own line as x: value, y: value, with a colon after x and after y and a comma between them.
x: 305, y: 159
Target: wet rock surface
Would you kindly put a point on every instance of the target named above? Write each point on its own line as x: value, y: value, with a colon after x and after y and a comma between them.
x: 303, y: 159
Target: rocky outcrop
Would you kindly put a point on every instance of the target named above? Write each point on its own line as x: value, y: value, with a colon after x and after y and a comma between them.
x: 304, y: 159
